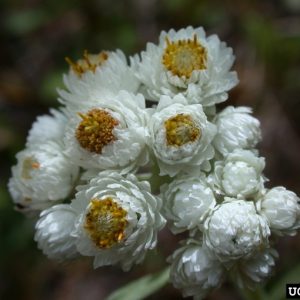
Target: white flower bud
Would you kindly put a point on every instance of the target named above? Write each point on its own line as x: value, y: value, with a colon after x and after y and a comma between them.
x: 186, y: 202
x: 236, y: 129
x: 195, y: 270
x: 282, y: 209
x: 250, y: 272
x: 239, y: 175
x: 180, y: 136
x: 235, y: 230
x: 43, y: 174
x: 53, y: 232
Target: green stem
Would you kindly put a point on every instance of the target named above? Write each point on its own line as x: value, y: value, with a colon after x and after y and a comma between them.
x: 142, y: 288
x: 156, y: 180
x: 144, y: 176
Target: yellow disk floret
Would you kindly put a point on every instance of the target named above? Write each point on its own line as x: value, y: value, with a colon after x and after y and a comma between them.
x: 89, y: 62
x: 29, y: 164
x: 105, y: 222
x: 96, y: 130
x: 182, y: 57
x: 181, y: 129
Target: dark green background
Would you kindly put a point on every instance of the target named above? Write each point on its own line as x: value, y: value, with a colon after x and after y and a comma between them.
x: 35, y: 37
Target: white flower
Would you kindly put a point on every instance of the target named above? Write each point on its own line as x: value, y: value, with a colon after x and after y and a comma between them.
x: 180, y: 136
x: 248, y: 273
x: 53, y: 232
x: 111, y: 135
x: 235, y: 230
x: 187, y: 62
x: 236, y: 129
x: 239, y: 175
x: 48, y: 128
x: 282, y: 209
x: 43, y: 174
x: 186, y: 202
x: 195, y: 270
x: 117, y: 219
x: 97, y: 74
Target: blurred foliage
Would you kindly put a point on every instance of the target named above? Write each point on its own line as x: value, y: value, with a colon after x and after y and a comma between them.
x: 24, y: 22
x: 142, y: 287
x: 36, y: 36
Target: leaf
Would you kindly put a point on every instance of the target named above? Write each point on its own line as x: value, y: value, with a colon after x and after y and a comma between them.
x: 141, y: 288
x: 49, y: 85
x: 23, y: 22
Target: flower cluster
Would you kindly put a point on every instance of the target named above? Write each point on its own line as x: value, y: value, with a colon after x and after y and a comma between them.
x: 105, y: 172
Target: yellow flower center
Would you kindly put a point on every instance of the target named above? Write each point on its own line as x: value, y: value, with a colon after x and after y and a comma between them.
x: 181, y: 129
x: 89, y: 62
x: 105, y: 222
x: 182, y: 57
x: 29, y: 164
x: 96, y: 130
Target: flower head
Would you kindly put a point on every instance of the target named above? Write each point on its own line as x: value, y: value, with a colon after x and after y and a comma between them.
x: 42, y: 175
x: 187, y: 201
x: 187, y: 62
x: 117, y: 219
x: 99, y: 146
x: 95, y: 75
x: 180, y: 135
x: 111, y: 135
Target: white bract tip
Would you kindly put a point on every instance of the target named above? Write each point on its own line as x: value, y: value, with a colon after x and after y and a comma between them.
x: 48, y: 128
